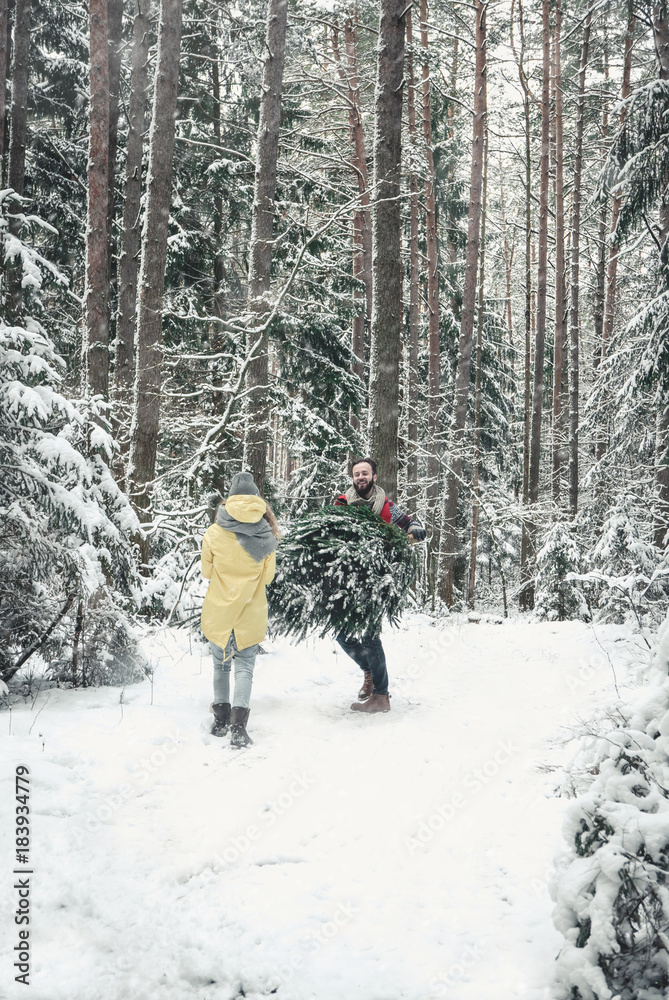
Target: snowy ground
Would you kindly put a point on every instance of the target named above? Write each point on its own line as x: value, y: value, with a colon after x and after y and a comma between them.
x: 396, y: 857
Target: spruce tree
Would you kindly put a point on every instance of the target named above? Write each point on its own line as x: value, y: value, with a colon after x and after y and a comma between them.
x: 340, y: 570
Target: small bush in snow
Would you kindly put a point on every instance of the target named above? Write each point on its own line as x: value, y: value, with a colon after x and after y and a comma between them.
x: 558, y: 597
x: 628, y: 572
x: 612, y: 890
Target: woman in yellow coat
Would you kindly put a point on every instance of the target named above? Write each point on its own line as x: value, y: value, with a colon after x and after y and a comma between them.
x: 238, y: 559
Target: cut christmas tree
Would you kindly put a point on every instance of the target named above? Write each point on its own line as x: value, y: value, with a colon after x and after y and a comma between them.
x: 340, y: 569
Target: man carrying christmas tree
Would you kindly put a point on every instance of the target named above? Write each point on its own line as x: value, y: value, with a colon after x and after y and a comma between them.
x: 368, y: 652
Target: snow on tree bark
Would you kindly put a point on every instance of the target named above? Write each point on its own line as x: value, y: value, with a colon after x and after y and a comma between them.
x: 471, y: 586
x: 526, y: 592
x: 260, y: 251
x: 558, y: 350
x: 362, y: 232
x: 115, y: 29
x: 130, y: 237
x: 612, y: 266
x: 96, y: 293
x: 18, y: 137
x: 574, y: 325
x: 4, y: 16
x: 432, y: 265
x: 414, y: 287
x: 147, y: 386
x: 462, y: 378
x: 386, y: 333
x: 542, y: 271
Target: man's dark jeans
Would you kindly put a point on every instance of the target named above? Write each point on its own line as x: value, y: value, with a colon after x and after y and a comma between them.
x: 368, y: 654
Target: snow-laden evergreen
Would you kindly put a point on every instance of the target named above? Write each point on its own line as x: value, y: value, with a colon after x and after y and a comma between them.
x: 65, y: 525
x: 557, y: 598
x: 340, y: 569
x: 611, y: 889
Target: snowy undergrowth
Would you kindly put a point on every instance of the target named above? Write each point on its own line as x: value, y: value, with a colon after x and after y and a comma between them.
x: 611, y: 889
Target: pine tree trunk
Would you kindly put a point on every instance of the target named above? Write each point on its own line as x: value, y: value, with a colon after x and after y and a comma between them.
x: 115, y: 27
x: 96, y: 294
x: 508, y: 251
x: 600, y: 280
x: 574, y: 326
x: 558, y: 353
x: 662, y: 471
x: 364, y: 218
x: 130, y: 235
x: 462, y: 378
x: 260, y: 251
x: 471, y: 590
x: 147, y: 386
x: 4, y: 40
x: 452, y: 249
x: 362, y: 226
x: 661, y: 518
x: 219, y: 264
x: 414, y: 286
x: 542, y: 273
x: 612, y: 266
x: 526, y: 595
x: 432, y: 268
x: 18, y: 138
x: 386, y: 246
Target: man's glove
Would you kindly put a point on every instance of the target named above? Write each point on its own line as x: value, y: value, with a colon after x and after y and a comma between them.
x: 417, y: 532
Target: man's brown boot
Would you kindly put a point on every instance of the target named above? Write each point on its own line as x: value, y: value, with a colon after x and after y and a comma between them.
x: 376, y: 703
x: 367, y: 686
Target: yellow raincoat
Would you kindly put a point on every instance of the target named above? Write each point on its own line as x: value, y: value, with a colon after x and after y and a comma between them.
x: 236, y: 598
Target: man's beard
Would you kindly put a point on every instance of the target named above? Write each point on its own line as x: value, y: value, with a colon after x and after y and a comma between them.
x: 364, y: 491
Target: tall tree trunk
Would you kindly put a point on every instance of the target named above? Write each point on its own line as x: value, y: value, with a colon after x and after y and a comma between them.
x: 471, y: 590
x: 4, y: 45
x: 96, y: 294
x: 612, y: 266
x: 600, y: 271
x: 540, y: 340
x: 386, y: 245
x: 432, y: 268
x: 219, y: 263
x: 661, y: 40
x: 526, y: 596
x: 147, y: 386
x: 452, y: 249
x: 18, y: 138
x: 115, y: 27
x: 360, y: 164
x: 260, y: 251
x: 558, y: 352
x: 362, y: 226
x: 130, y: 234
x: 462, y: 378
x: 574, y: 326
x: 414, y: 286
x: 508, y: 250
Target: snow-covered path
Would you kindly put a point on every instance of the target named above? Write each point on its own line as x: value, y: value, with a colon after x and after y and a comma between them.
x: 395, y: 857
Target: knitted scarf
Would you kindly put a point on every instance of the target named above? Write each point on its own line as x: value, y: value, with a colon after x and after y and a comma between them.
x: 256, y: 537
x: 375, y: 500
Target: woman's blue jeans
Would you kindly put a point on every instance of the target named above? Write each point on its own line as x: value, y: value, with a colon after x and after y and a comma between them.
x: 244, y: 662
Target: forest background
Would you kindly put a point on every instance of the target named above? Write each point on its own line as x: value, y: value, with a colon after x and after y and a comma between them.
x: 278, y: 235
